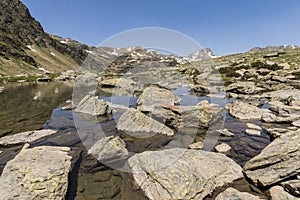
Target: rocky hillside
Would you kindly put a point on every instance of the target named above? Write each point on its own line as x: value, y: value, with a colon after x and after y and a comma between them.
x: 26, y: 49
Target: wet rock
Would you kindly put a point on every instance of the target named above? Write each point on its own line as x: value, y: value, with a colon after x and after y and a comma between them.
x: 154, y: 96
x: 136, y: 123
x: 25, y: 137
x: 244, y: 111
x: 293, y: 186
x: 109, y: 149
x: 226, y: 133
x: 197, y: 145
x: 277, y: 162
x: 37, y: 173
x: 233, y: 194
x: 278, y: 193
x: 179, y: 174
x: 253, y: 132
x: 223, y: 148
x: 93, y: 106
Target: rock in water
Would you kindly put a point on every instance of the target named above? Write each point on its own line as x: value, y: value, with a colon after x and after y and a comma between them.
x: 37, y: 173
x: 179, y: 174
x: 244, y: 111
x: 154, y: 96
x: 25, y: 137
x: 223, y: 148
x: 233, y: 194
x: 138, y: 124
x: 93, y: 106
x: 278, y: 193
x: 109, y: 149
x: 277, y: 162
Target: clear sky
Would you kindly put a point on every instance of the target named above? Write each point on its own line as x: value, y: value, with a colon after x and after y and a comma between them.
x: 225, y: 26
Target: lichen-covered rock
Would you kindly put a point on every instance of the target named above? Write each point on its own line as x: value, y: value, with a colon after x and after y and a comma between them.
x: 244, y: 111
x: 93, y: 105
x: 37, y: 173
x: 134, y: 122
x: 179, y: 174
x: 233, y: 194
x: 277, y: 162
x: 109, y: 149
x: 25, y: 137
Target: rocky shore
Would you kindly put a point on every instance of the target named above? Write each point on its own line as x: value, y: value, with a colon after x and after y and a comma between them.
x: 230, y: 131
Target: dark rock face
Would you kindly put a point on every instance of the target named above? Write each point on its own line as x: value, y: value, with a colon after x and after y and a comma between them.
x: 19, y: 29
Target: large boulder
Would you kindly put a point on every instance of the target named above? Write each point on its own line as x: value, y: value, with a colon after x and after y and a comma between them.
x: 136, y: 123
x: 109, y: 149
x: 244, y: 111
x: 25, y: 137
x: 277, y: 162
x: 93, y: 105
x: 154, y: 96
x: 37, y: 173
x: 233, y: 194
x: 179, y: 174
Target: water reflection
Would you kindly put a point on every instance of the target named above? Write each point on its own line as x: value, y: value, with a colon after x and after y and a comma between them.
x: 28, y: 106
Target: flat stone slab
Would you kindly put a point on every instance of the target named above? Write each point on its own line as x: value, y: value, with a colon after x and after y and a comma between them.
x: 180, y: 173
x: 233, y: 194
x: 223, y: 148
x: 25, y: 137
x: 37, y: 173
x: 278, y: 193
x: 277, y: 162
x: 136, y: 123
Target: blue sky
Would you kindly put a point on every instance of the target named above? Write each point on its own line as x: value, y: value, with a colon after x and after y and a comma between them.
x: 225, y: 26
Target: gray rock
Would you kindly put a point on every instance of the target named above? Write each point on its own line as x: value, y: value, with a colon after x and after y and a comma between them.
x: 282, y: 95
x: 197, y: 145
x: 225, y: 132
x: 271, y: 118
x: 223, y: 148
x: 154, y: 96
x: 233, y: 194
x: 244, y: 111
x: 253, y: 132
x: 253, y: 126
x: 93, y: 106
x: 278, y: 193
x: 136, y: 123
x: 243, y: 88
x: 296, y: 123
x: 179, y: 174
x: 293, y: 186
x: 37, y: 173
x: 109, y: 149
x: 276, y: 132
x: 277, y: 162
x: 25, y: 137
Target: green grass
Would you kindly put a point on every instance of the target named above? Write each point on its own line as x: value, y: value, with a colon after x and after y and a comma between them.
x: 29, y: 78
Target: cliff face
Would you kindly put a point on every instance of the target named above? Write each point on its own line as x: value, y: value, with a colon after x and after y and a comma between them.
x: 25, y: 47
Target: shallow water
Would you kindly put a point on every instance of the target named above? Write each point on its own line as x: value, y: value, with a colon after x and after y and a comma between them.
x: 35, y: 106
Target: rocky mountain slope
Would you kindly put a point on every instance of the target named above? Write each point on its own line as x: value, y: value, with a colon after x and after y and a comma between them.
x: 26, y: 49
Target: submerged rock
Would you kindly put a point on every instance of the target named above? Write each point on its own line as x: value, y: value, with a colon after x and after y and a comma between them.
x: 37, y: 173
x: 136, y: 123
x: 25, y: 137
x: 233, y: 194
x: 179, y: 174
x: 109, y: 149
x: 244, y: 111
x: 93, y: 105
x: 277, y: 162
